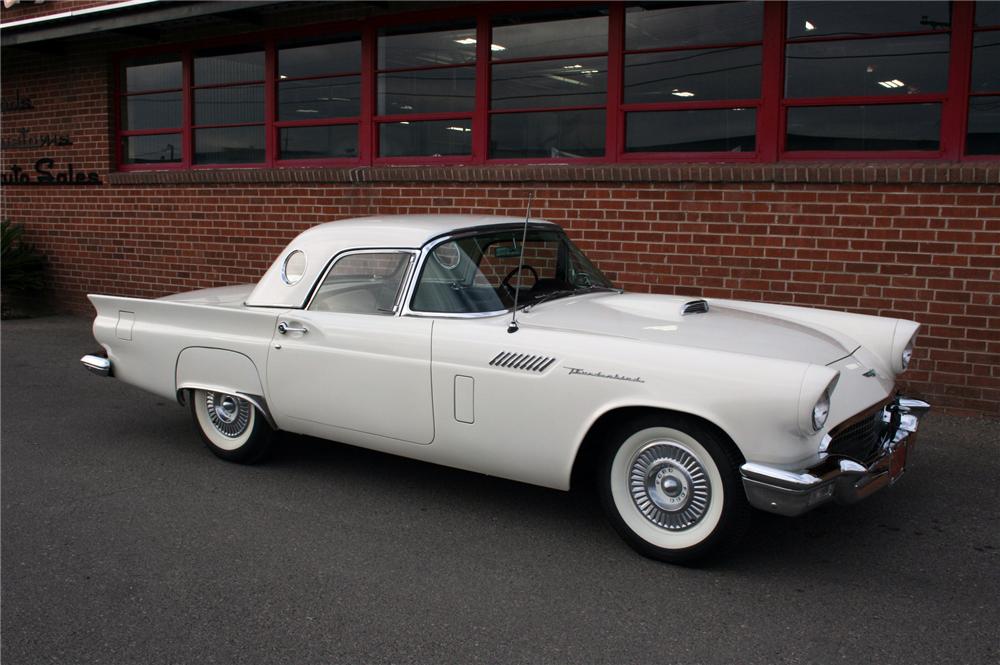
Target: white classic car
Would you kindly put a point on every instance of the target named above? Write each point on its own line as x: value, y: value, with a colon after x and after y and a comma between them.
x: 493, y: 344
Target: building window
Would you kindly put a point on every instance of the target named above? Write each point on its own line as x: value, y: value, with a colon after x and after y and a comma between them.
x: 152, y: 111
x: 983, y: 132
x: 228, y: 120
x: 865, y: 76
x: 319, y: 99
x: 692, y: 77
x: 619, y: 82
x: 426, y: 90
x: 549, y: 84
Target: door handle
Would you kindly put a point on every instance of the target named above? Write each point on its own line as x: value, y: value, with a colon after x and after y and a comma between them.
x: 284, y: 328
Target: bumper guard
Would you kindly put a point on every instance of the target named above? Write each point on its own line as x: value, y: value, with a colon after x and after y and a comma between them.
x: 836, y: 478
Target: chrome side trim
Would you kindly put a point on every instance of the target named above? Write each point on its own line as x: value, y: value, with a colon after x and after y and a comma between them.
x: 837, y: 479
x: 98, y: 365
x: 522, y: 361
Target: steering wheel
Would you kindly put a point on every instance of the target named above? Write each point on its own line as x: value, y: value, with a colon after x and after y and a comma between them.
x: 506, y: 280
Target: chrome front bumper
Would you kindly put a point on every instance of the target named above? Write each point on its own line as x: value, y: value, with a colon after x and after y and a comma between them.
x: 97, y: 365
x: 836, y: 478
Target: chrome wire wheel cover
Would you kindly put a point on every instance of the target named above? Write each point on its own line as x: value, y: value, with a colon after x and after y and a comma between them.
x: 669, y: 486
x: 228, y: 414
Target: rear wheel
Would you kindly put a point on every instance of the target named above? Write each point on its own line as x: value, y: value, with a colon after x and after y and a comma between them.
x: 671, y: 488
x: 230, y: 426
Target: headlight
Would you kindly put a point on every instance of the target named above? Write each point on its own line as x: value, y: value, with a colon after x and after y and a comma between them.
x: 821, y: 411
x: 907, y: 354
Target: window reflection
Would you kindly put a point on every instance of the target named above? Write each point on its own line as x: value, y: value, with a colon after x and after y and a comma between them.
x: 438, y: 138
x: 715, y: 130
x: 556, y: 32
x: 557, y: 134
x: 879, y: 127
x: 692, y: 76
x: 650, y: 26
x: 549, y: 83
x: 854, y: 19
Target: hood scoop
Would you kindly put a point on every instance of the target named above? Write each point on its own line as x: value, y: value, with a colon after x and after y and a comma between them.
x: 694, y: 307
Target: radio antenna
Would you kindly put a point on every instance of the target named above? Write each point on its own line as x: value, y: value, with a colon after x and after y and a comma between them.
x: 512, y: 328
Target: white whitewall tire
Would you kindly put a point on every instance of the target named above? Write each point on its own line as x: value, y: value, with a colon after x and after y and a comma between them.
x: 671, y: 487
x: 230, y: 426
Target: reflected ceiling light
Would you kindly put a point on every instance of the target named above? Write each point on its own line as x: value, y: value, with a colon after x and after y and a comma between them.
x: 894, y: 83
x: 556, y: 77
x: 404, y: 122
x: 459, y: 129
x: 572, y: 66
x: 810, y: 26
x: 306, y: 111
x: 681, y: 93
x: 468, y: 41
x: 282, y: 76
x: 406, y: 107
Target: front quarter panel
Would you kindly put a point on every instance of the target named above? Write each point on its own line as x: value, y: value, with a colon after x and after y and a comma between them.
x: 528, y: 425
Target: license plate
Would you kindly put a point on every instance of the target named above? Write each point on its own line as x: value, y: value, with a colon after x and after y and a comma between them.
x: 897, y: 463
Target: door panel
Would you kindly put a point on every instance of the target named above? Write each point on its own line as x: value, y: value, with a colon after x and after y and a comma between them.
x: 361, y: 372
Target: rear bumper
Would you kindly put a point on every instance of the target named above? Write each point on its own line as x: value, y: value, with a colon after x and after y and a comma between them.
x: 97, y: 365
x: 836, y: 478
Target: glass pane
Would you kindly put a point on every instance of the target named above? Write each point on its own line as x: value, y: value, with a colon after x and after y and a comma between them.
x: 319, y: 98
x: 984, y: 126
x: 225, y: 67
x: 362, y: 284
x: 986, y: 62
x: 154, y: 111
x: 573, y: 82
x: 987, y: 13
x: 677, y: 76
x: 812, y: 19
x: 158, y: 149
x: 229, y: 145
x: 319, y: 59
x: 722, y: 130
x: 220, y: 106
x: 561, y: 134
x: 448, y: 90
x: 693, y: 23
x: 159, y: 73
x: 427, y: 139
x: 319, y: 142
x: 891, y: 67
x: 399, y: 48
x: 882, y: 127
x: 557, y: 32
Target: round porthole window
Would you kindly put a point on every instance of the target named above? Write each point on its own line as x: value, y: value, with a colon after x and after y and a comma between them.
x: 448, y: 255
x: 294, y: 267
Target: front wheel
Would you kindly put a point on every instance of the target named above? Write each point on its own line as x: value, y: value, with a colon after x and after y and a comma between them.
x: 671, y: 488
x: 230, y: 426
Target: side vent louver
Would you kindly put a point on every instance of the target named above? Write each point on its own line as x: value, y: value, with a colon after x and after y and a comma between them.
x: 695, y: 307
x: 523, y: 361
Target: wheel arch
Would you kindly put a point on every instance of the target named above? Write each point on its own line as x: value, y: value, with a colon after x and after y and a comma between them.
x: 590, y: 445
x: 222, y: 371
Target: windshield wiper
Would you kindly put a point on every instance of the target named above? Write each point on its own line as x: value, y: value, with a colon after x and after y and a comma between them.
x: 559, y: 293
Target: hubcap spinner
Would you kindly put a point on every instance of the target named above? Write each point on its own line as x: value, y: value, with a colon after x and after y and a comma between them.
x: 669, y: 485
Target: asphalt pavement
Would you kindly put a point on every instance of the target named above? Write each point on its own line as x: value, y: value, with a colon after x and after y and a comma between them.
x: 125, y: 541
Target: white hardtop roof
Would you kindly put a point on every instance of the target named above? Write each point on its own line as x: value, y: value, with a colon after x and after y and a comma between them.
x: 324, y: 241
x: 397, y: 230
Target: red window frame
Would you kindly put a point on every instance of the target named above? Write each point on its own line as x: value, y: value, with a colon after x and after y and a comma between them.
x: 975, y: 29
x: 771, y: 107
x: 271, y: 103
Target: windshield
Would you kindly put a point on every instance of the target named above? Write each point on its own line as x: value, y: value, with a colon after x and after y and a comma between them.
x: 483, y: 272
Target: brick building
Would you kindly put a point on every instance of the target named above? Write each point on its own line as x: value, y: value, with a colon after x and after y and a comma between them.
x: 842, y: 155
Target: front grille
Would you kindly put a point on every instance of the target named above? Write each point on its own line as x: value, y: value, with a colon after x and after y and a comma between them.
x: 861, y: 440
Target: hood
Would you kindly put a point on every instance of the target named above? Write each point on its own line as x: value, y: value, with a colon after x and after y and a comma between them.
x: 658, y: 318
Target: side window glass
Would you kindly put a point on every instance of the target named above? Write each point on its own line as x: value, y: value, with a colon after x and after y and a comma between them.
x: 365, y: 283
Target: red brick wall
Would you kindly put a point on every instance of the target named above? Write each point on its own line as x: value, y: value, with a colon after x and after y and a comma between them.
x: 913, y: 241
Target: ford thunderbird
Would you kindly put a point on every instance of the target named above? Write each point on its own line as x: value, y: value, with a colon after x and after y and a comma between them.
x: 493, y: 344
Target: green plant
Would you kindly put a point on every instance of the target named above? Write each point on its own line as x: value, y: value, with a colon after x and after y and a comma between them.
x: 22, y: 266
